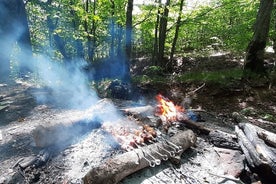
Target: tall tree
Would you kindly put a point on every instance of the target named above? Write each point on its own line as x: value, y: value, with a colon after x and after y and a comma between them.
x: 254, y: 61
x: 112, y: 30
x: 155, y: 45
x: 163, y: 32
x: 128, y: 45
x: 13, y: 28
x: 178, y: 24
x: 129, y: 28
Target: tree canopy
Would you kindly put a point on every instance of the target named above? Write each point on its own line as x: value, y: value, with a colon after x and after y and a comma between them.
x: 95, y: 30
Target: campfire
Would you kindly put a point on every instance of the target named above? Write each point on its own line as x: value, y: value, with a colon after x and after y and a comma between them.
x: 167, y: 110
x: 150, y: 136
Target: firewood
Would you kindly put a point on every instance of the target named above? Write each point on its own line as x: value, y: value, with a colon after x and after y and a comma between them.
x: 115, y: 169
x: 267, y: 136
x: 259, y: 155
x: 224, y: 140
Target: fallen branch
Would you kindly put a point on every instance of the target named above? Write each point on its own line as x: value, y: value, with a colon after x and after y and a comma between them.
x: 117, y: 168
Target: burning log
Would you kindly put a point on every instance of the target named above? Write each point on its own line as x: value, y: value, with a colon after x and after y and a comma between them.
x: 115, y: 169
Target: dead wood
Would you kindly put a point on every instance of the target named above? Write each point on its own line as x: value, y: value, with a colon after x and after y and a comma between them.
x: 259, y: 155
x: 223, y: 139
x: 117, y: 168
x: 61, y: 133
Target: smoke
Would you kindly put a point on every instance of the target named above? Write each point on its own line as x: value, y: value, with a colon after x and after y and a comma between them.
x: 67, y: 83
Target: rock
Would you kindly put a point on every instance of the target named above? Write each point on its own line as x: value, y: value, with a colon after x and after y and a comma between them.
x: 232, y: 161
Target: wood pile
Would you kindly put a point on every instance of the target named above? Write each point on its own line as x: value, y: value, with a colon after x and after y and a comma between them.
x: 258, y: 146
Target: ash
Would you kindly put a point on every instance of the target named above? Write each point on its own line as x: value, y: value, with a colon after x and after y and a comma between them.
x: 69, y: 162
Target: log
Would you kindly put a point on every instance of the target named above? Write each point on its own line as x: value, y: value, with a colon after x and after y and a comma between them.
x: 259, y: 156
x: 116, y: 168
x: 62, y: 133
x: 268, y: 137
x: 224, y: 140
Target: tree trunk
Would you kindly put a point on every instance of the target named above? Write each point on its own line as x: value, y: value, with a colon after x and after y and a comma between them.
x: 93, y: 32
x: 89, y: 39
x: 254, y: 61
x: 59, y: 42
x: 274, y: 28
x: 129, y: 28
x: 112, y: 30
x: 128, y: 37
x: 155, y: 45
x: 176, y: 30
x: 13, y: 28
x: 163, y: 32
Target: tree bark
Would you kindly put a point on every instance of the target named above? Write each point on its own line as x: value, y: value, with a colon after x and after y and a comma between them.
x: 128, y: 45
x: 112, y: 30
x: 89, y: 44
x: 254, y: 61
x: 155, y: 45
x: 176, y: 30
x: 129, y: 28
x: 163, y: 32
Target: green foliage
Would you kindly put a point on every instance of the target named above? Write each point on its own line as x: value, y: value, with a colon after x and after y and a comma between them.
x: 102, y: 88
x: 154, y: 70
x: 229, y: 21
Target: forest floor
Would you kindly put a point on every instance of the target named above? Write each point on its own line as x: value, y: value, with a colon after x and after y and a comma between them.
x: 223, y: 93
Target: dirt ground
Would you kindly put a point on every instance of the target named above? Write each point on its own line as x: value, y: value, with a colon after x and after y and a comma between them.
x: 20, y: 113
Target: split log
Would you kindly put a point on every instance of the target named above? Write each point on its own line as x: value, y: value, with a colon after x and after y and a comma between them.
x: 268, y: 137
x: 259, y: 156
x: 117, y: 168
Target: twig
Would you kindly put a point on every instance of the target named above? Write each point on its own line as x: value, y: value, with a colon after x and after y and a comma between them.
x: 227, y: 177
x: 194, y: 91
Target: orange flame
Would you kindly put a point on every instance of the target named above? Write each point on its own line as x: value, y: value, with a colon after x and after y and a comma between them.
x: 167, y: 108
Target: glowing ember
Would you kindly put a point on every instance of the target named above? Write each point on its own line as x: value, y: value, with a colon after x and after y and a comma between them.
x: 168, y: 109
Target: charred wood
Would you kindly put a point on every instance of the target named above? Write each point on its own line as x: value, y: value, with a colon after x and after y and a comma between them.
x: 260, y: 157
x: 115, y: 169
x: 267, y: 136
x: 223, y: 139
